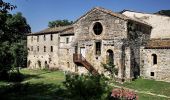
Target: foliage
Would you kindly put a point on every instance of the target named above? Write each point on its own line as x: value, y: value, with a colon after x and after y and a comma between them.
x: 140, y: 84
x: 13, y: 29
x: 58, y: 23
x: 43, y: 85
x: 85, y: 87
x: 4, y: 6
x: 122, y: 94
x: 111, y: 69
x: 164, y: 12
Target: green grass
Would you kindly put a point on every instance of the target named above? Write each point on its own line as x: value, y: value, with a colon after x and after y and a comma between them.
x: 43, y: 76
x: 37, y: 85
x: 150, y: 97
x: 47, y: 85
x: 152, y: 86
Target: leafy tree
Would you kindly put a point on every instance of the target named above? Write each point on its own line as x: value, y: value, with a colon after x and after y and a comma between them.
x: 4, y: 6
x: 58, y: 23
x: 164, y: 12
x: 85, y: 87
x: 111, y: 69
x: 13, y: 29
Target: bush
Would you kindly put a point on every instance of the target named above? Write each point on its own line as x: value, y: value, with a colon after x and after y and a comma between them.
x: 85, y: 87
x: 122, y: 94
x: 111, y: 69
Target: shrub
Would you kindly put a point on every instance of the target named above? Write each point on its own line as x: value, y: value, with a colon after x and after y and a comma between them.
x: 85, y: 87
x: 122, y: 94
x: 111, y: 69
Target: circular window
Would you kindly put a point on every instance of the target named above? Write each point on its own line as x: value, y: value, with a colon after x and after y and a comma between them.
x: 97, y: 28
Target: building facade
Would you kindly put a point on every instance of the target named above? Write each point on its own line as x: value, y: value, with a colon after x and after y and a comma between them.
x: 132, y: 44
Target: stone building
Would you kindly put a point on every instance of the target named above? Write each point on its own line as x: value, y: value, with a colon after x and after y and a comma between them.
x: 138, y: 44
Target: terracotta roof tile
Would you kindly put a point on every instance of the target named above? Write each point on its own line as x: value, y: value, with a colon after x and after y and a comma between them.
x: 122, y: 16
x: 158, y: 44
x: 54, y: 30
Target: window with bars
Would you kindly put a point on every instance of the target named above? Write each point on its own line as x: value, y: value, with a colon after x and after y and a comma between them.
x: 44, y: 48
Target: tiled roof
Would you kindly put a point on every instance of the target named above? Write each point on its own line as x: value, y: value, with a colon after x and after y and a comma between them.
x: 158, y: 44
x: 122, y: 16
x: 55, y: 30
x: 62, y: 28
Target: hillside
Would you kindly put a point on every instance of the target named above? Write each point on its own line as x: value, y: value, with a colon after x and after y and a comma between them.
x: 164, y: 12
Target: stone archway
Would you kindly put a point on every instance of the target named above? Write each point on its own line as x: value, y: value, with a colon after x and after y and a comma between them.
x: 110, y: 57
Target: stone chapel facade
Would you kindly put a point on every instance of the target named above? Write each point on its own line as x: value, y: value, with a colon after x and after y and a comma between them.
x: 138, y: 44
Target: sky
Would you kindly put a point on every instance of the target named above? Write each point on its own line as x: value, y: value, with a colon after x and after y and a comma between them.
x: 39, y: 12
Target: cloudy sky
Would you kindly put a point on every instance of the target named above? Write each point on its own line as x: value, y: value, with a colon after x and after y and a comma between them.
x: 39, y: 12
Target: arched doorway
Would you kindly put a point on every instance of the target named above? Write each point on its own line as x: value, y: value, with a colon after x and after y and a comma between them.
x: 110, y: 57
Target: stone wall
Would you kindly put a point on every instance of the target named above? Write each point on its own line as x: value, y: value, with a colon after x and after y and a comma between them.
x: 159, y: 23
x: 161, y: 69
x: 37, y: 58
x: 114, y: 30
x: 138, y: 35
x: 66, y: 51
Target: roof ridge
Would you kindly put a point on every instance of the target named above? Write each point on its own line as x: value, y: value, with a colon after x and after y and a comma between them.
x: 141, y: 12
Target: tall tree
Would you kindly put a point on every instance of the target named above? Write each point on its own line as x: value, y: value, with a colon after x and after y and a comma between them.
x: 13, y: 29
x: 58, y: 23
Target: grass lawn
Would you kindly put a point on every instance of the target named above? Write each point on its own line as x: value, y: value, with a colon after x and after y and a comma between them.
x: 150, y: 86
x: 37, y: 85
x: 43, y: 76
x: 47, y: 85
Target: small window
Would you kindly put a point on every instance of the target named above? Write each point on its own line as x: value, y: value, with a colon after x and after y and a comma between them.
x: 44, y: 38
x: 67, y: 51
x: 68, y: 64
x: 67, y: 40
x: 44, y: 48
x: 51, y: 37
x: 51, y: 48
x: 154, y: 58
x: 97, y: 28
x: 31, y: 38
x: 37, y: 38
x: 98, y: 48
x: 152, y: 73
x: 31, y: 48
x: 38, y: 48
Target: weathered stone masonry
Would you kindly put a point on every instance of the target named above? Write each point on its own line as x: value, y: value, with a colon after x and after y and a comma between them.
x: 98, y: 35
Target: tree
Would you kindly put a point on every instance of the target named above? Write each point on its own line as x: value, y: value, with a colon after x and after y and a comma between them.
x: 58, y: 23
x: 13, y: 30
x: 5, y: 7
x: 164, y: 12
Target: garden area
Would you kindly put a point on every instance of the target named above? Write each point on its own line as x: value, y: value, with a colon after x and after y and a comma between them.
x: 57, y: 85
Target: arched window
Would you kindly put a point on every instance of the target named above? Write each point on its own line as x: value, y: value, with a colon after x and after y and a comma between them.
x: 98, y: 48
x: 154, y: 59
x: 110, y: 56
x: 97, y: 28
x: 44, y: 48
